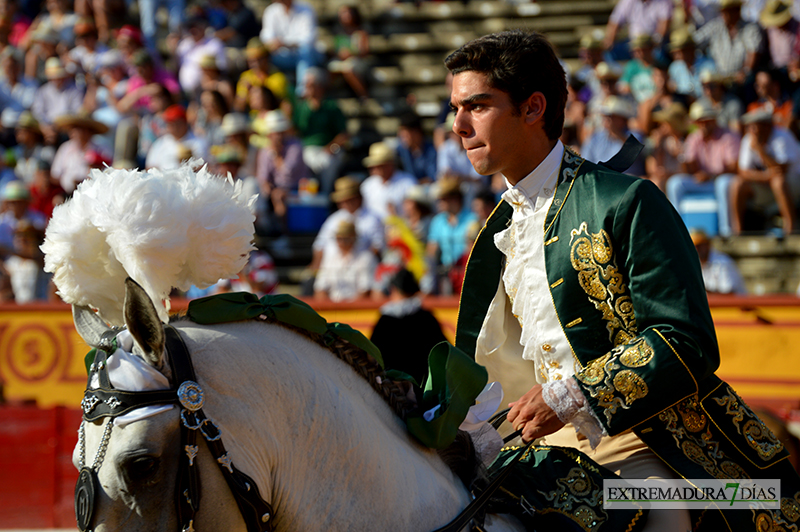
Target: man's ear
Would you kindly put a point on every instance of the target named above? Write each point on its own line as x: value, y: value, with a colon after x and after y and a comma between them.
x: 534, y: 107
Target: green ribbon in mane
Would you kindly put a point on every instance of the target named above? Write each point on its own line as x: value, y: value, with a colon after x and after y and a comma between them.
x: 454, y: 379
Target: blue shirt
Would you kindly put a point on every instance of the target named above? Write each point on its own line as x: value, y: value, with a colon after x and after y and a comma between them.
x: 451, y: 239
x: 420, y: 165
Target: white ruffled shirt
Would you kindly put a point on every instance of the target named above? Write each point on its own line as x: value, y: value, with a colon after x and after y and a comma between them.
x: 525, y: 282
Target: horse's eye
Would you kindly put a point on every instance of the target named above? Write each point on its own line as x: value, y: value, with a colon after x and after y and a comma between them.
x: 141, y: 469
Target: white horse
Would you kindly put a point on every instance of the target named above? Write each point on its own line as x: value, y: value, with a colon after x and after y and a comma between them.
x: 326, y: 450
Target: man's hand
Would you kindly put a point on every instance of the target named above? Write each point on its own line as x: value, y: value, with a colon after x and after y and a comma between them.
x: 531, y: 414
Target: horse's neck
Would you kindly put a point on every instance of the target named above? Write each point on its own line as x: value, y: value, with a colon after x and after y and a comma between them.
x: 324, y: 448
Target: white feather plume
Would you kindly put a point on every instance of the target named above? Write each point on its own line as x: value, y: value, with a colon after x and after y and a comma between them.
x: 164, y: 229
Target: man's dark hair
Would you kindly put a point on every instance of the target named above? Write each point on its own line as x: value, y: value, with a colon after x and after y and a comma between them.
x: 519, y: 63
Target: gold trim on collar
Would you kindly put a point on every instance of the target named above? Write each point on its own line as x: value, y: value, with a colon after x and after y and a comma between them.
x: 573, y: 323
x: 557, y: 283
x: 551, y: 241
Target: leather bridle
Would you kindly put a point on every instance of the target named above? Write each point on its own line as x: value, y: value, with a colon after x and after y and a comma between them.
x: 107, y: 402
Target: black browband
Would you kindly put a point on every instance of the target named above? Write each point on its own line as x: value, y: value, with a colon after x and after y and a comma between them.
x: 105, y: 401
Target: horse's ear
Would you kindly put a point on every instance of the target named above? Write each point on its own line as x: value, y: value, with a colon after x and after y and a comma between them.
x: 143, y: 323
x: 88, y: 324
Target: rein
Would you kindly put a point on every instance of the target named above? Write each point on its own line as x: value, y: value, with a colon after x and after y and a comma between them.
x: 106, y: 401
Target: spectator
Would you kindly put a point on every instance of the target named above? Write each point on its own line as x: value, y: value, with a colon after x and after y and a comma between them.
x: 710, y: 164
x: 350, y: 207
x: 259, y: 75
x: 168, y: 151
x: 58, y: 97
x: 607, y: 76
x: 44, y: 43
x: 666, y: 144
x: 417, y: 155
x: 386, y: 186
x: 19, y: 23
x: 30, y: 150
x: 687, y: 64
x: 236, y: 130
x: 206, y: 119
x: 663, y: 96
x: 279, y: 169
x: 15, y: 211
x: 261, y: 102
x: 782, y: 32
x: 732, y: 44
x: 345, y: 273
x: 289, y: 31
x: 241, y: 24
x: 403, y: 313
x: 591, y: 55
x: 643, y: 17
x: 25, y: 266
x: 769, y: 159
x: 152, y: 125
x: 637, y: 78
x: 447, y: 235
x: 70, y: 165
x: 147, y: 20
x: 459, y: 268
x: 87, y: 50
x: 416, y: 212
x: 259, y: 276
x: 145, y: 83
x: 728, y: 107
x: 351, y: 50
x: 483, y: 204
x: 321, y: 126
x: 45, y: 191
x: 193, y: 49
x: 720, y: 274
x: 452, y: 161
x: 213, y: 80
x: 228, y: 159
x: 609, y: 139
x: 771, y: 96
x: 59, y: 18
x: 129, y: 40
x: 16, y: 91
x: 105, y: 87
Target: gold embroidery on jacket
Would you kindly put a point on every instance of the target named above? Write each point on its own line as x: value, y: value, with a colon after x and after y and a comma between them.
x: 575, y: 496
x: 612, y: 388
x: 637, y: 354
x: 692, y: 434
x: 756, y: 433
x: 592, y: 256
x: 784, y: 520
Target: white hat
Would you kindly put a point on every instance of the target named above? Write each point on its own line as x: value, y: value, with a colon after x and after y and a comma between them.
x: 276, y: 122
x: 701, y: 110
x: 614, y: 105
x: 234, y: 123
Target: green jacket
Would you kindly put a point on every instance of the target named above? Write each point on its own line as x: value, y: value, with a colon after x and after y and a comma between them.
x: 627, y: 288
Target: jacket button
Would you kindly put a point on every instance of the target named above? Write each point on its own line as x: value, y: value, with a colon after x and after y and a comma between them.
x: 547, y: 347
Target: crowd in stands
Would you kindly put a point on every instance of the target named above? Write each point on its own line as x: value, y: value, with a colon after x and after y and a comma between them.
x: 714, y: 98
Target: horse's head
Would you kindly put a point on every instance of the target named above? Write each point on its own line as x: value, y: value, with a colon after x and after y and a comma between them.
x: 136, y: 462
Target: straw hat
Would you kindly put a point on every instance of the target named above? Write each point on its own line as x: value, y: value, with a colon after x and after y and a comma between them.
x: 15, y: 191
x: 675, y: 115
x: 700, y: 110
x: 605, y: 71
x: 680, y: 39
x: 380, y: 153
x: 81, y: 120
x: 725, y: 4
x: 209, y: 62
x: 53, y: 69
x: 346, y: 229
x: 643, y: 40
x: 276, y: 122
x: 775, y: 14
x: 345, y: 188
x: 448, y: 187
x: 255, y: 49
x: 27, y: 121
x: 591, y: 42
x: 710, y: 76
x: 616, y: 106
x: 234, y: 123
x: 761, y: 114
x: 227, y: 153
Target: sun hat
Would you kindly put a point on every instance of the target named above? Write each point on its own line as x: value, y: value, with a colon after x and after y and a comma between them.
x: 680, y: 39
x: 725, y: 4
x: 53, y: 69
x: 379, y: 153
x: 81, y: 120
x: 643, y: 40
x: 446, y: 187
x: 616, y: 106
x: 25, y: 120
x: 762, y: 114
x: 276, y: 122
x: 591, y: 42
x: 605, y: 71
x: 701, y: 110
x: 15, y: 191
x: 234, y: 123
x: 209, y: 62
x: 775, y: 14
x: 346, y: 229
x: 675, y: 114
x: 255, y: 49
x: 227, y: 153
x: 345, y: 188
x: 174, y: 113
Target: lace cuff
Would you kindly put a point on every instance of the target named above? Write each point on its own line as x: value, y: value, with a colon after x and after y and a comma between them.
x: 567, y: 401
